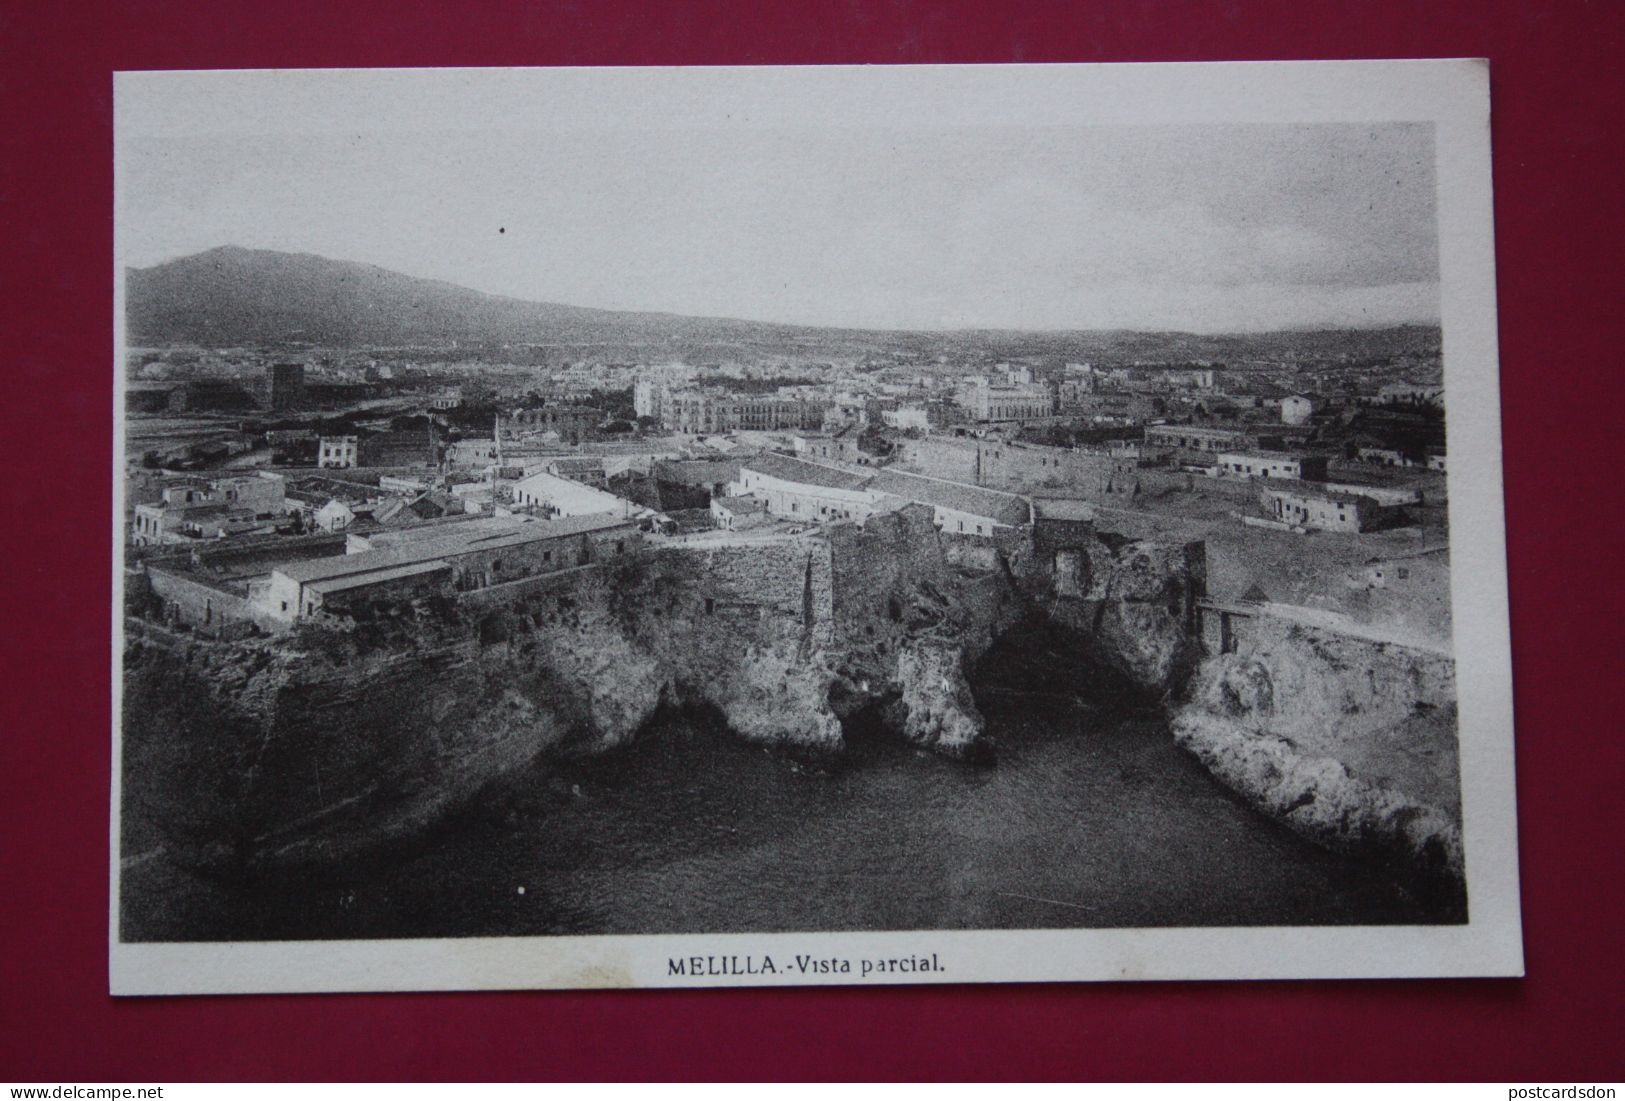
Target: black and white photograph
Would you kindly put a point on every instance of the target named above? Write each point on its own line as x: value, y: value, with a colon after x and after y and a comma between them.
x: 644, y: 527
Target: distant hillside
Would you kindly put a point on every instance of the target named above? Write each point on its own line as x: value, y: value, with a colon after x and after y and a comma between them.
x: 234, y: 297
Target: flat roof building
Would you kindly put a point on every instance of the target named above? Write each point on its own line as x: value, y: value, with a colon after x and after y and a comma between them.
x: 1271, y: 464
x: 456, y: 561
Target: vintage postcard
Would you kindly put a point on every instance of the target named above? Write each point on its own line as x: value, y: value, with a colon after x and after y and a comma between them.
x: 741, y: 526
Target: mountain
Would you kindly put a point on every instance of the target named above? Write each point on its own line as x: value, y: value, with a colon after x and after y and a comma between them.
x: 234, y: 297
x: 230, y: 296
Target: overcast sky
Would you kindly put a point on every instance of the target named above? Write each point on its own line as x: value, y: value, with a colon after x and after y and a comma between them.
x: 849, y: 218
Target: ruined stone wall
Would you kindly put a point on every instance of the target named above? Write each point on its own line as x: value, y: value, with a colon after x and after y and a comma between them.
x: 208, y: 609
x: 954, y: 460
x: 789, y: 577
x: 1094, y: 476
x: 1033, y: 469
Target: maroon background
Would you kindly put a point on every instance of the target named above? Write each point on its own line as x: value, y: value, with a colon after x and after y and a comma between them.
x: 1557, y: 93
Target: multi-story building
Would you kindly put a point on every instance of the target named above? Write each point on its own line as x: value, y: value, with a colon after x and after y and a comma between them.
x: 698, y: 412
x: 1073, y: 393
x: 196, y: 509
x: 986, y: 402
x: 649, y: 398
x: 338, y: 452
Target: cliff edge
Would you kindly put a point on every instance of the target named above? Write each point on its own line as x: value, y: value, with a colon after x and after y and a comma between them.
x: 1350, y: 743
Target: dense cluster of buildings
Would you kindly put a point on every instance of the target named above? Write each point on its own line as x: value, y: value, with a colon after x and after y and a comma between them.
x: 433, y: 489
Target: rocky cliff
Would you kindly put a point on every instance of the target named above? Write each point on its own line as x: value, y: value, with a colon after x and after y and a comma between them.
x: 1350, y: 743
x: 345, y: 732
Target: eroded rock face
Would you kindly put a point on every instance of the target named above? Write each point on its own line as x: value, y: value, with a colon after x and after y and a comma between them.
x: 1147, y: 643
x: 934, y: 708
x: 351, y: 729
x: 1127, y: 602
x: 594, y: 681
x: 1349, y: 743
x: 776, y: 693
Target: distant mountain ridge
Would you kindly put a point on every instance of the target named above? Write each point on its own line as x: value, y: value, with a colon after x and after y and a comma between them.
x: 234, y: 297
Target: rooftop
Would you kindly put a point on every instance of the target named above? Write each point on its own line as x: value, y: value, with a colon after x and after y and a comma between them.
x: 1059, y: 508
x: 450, y: 545
x: 1195, y: 430
x: 1305, y: 490
x: 1267, y: 456
x: 377, y: 577
x: 1003, y: 508
x: 788, y: 469
x: 696, y: 471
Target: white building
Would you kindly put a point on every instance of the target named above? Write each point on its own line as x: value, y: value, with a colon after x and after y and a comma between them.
x: 562, y: 497
x: 334, y: 516
x: 1296, y: 409
x: 474, y: 454
x: 957, y: 507
x: 986, y: 402
x: 738, y: 513
x: 648, y: 398
x: 1271, y: 464
x: 338, y: 452
x: 797, y: 490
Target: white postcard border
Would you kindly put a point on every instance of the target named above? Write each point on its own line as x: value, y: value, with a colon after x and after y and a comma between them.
x: 1454, y: 95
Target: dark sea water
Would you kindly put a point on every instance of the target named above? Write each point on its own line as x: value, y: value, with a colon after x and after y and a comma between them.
x: 1083, y: 822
